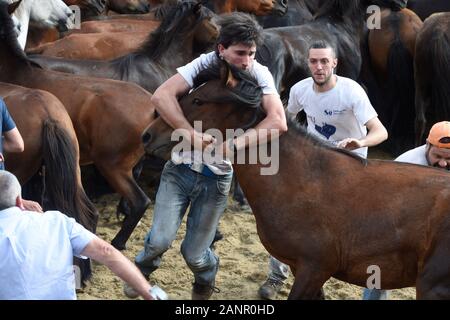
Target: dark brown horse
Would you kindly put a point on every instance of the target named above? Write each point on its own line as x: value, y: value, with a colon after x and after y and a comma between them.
x: 336, y: 214
x: 108, y: 117
x: 185, y: 32
x: 425, y: 8
x: 128, y: 6
x: 432, y: 68
x: 50, y: 141
x: 298, y: 13
x: 390, y: 58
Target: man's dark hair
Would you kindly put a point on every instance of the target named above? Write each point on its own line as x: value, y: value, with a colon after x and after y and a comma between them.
x: 238, y: 27
x: 323, y: 44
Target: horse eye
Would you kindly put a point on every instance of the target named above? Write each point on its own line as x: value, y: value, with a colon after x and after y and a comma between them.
x: 197, y: 101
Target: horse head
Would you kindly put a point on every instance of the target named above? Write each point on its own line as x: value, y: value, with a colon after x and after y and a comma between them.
x: 50, y: 13
x: 224, y: 97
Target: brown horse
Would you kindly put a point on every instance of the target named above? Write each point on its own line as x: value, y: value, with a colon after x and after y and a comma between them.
x: 108, y: 117
x: 391, y: 53
x: 185, y: 32
x: 96, y: 46
x: 432, y: 67
x: 50, y: 140
x: 256, y: 7
x: 326, y: 212
x: 119, y: 25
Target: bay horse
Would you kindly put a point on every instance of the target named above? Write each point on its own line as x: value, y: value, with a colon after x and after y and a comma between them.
x: 185, y: 32
x: 50, y: 140
x: 256, y: 7
x: 336, y: 213
x: 432, y: 67
x: 108, y: 117
x: 96, y: 46
x: 390, y: 54
x: 298, y: 12
x: 425, y: 8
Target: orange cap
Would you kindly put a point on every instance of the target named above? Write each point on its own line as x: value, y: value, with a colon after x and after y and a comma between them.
x: 440, y: 135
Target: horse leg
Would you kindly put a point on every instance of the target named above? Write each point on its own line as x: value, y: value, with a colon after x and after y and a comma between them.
x: 433, y: 282
x: 123, y: 207
x: 238, y: 194
x: 122, y: 181
x: 308, y: 283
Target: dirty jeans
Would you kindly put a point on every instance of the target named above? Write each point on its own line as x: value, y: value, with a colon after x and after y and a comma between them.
x: 207, y: 197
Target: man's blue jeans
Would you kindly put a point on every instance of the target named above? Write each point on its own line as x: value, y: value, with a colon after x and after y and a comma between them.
x: 207, y: 197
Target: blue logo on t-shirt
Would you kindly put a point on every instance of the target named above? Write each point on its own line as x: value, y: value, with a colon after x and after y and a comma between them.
x: 327, y: 130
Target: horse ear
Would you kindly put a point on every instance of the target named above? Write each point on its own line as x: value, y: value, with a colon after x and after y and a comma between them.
x: 13, y: 6
x: 231, y: 80
x: 197, y: 7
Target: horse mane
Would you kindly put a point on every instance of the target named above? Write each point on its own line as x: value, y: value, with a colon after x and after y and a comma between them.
x: 247, y: 92
x: 7, y: 33
x: 171, y: 28
x: 300, y: 130
x: 340, y: 10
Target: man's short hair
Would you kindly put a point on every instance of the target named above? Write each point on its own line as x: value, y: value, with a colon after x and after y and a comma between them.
x: 239, y: 27
x: 9, y: 190
x: 323, y: 44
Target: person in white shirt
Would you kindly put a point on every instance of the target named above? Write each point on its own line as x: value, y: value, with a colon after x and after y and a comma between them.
x: 436, y: 152
x: 338, y: 111
x: 186, y: 179
x: 37, y: 249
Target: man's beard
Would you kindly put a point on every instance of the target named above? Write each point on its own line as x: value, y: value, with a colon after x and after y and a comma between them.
x: 320, y: 84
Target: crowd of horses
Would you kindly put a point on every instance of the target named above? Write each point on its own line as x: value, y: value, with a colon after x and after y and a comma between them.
x: 82, y: 96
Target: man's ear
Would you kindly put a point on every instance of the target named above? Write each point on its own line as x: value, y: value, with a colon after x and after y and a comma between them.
x: 19, y: 203
x: 335, y: 62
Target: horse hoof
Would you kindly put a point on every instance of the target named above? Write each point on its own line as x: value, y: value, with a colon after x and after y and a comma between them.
x: 118, y: 246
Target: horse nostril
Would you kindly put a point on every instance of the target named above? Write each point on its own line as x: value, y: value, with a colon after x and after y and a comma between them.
x: 146, y: 137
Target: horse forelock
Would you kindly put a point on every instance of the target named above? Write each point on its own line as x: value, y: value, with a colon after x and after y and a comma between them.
x: 342, y: 10
x: 172, y: 27
x: 245, y: 92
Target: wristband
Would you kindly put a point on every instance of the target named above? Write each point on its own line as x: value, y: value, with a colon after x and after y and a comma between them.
x: 157, y: 293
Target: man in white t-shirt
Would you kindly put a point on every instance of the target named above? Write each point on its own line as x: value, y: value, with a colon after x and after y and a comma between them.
x: 338, y: 111
x: 188, y: 181
x: 37, y: 249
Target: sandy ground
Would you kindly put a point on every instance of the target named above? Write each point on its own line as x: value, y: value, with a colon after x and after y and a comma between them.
x: 243, y: 261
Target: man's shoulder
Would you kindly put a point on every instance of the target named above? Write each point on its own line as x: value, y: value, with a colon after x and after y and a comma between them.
x: 303, y: 84
x: 416, y: 155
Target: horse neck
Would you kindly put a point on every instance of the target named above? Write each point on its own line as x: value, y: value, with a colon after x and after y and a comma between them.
x: 22, y: 14
x: 10, y: 65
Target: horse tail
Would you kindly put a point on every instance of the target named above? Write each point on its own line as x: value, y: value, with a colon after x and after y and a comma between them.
x: 401, y: 92
x: 62, y: 183
x: 439, y: 58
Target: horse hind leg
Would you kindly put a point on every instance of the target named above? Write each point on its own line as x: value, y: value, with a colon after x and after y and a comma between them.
x: 433, y: 282
x: 122, y: 181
